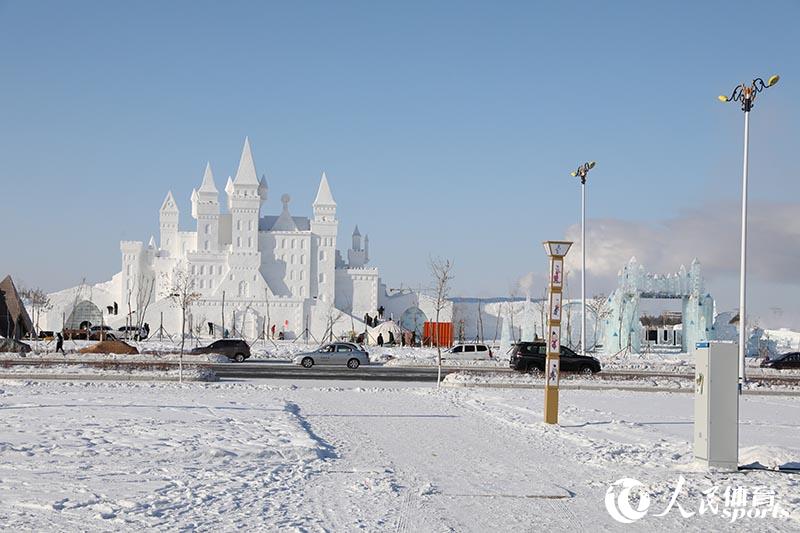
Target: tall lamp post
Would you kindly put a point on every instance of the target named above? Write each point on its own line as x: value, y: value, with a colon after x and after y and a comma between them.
x: 582, y: 172
x: 746, y: 94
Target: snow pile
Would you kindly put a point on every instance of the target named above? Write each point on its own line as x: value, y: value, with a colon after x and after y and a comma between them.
x: 13, y: 346
x: 577, y: 381
x: 118, y: 347
x: 770, y: 457
x: 134, y: 372
x: 116, y: 358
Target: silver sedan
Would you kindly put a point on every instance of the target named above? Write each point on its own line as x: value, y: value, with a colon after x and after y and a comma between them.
x: 336, y: 353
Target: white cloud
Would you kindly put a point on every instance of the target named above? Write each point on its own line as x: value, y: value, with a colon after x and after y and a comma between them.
x: 711, y: 234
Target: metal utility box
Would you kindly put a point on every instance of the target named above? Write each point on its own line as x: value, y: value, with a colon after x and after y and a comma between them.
x: 716, y: 404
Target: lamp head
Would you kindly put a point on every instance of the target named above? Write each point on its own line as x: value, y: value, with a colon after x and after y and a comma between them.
x: 573, y: 173
x: 773, y: 80
x: 592, y: 164
x: 722, y: 98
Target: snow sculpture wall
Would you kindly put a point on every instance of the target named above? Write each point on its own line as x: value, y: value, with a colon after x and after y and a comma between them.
x: 622, y: 329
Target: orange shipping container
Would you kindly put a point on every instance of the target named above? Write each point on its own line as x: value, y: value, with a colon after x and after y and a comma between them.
x: 440, y: 334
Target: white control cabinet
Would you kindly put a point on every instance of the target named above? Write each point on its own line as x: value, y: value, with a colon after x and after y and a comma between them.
x: 716, y: 404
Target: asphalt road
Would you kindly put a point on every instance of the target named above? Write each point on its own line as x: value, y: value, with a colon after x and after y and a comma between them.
x: 286, y: 370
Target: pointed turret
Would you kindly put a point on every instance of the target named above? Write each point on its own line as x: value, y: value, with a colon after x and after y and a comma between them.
x: 194, y: 198
x: 356, y: 239
x: 324, y: 196
x: 169, y: 205
x: 246, y: 174
x: 208, y: 185
x: 366, y: 249
x: 168, y: 223
x: 152, y: 243
x: 229, y: 190
x: 263, y: 189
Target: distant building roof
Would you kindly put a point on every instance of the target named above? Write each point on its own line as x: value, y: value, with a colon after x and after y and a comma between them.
x: 267, y: 223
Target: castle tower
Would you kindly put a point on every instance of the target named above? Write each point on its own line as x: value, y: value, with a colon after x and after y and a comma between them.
x: 357, y: 256
x: 356, y: 239
x: 245, y: 203
x: 168, y: 224
x: 205, y: 209
x: 325, y: 226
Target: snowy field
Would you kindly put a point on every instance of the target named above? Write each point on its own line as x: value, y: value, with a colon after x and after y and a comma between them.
x: 271, y: 456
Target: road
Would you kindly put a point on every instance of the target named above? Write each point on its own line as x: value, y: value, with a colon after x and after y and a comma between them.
x: 287, y: 370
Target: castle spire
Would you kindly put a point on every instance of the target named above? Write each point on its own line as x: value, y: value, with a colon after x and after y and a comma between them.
x: 324, y: 196
x: 208, y: 185
x: 169, y: 205
x: 246, y: 174
x: 263, y: 188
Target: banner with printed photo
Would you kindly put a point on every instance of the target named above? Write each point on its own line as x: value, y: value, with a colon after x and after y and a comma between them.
x: 555, y: 306
x: 551, y: 379
x: 554, y: 340
x: 556, y: 273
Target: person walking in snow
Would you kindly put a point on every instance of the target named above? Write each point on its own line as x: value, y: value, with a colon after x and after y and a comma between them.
x: 380, y: 312
x: 380, y: 339
x: 59, y: 343
x: 391, y: 337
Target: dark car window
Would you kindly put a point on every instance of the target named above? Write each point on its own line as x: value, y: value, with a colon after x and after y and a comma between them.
x: 458, y: 349
x: 530, y: 348
x: 469, y: 348
x: 527, y: 349
x: 480, y: 348
x: 343, y: 348
x: 566, y: 352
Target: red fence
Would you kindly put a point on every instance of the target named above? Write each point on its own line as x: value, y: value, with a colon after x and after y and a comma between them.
x: 437, y: 333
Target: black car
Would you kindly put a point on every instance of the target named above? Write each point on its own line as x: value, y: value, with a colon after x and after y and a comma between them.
x: 234, y: 349
x: 787, y: 360
x: 527, y: 356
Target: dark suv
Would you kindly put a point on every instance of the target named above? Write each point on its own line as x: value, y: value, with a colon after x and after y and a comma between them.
x: 787, y: 360
x: 234, y: 349
x: 526, y: 356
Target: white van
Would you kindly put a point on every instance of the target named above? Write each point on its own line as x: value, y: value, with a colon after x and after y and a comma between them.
x: 469, y: 351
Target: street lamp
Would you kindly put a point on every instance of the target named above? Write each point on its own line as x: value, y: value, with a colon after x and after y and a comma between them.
x: 746, y: 94
x: 582, y: 172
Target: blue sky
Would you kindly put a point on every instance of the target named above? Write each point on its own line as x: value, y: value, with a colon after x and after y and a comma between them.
x: 446, y: 128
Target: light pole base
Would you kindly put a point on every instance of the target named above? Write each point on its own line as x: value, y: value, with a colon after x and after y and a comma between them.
x: 551, y: 405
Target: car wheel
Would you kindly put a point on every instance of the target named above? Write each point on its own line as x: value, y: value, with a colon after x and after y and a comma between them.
x: 239, y: 357
x: 307, y: 362
x: 353, y: 363
x: 586, y: 371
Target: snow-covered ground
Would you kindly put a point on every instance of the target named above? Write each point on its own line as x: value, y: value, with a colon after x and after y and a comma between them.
x: 266, y: 456
x: 575, y: 381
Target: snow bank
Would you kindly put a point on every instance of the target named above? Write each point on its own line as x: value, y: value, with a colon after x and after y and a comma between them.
x: 127, y: 373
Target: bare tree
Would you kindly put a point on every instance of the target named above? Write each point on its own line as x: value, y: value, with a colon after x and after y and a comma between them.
x: 479, y: 325
x: 39, y: 302
x: 180, y: 289
x: 333, y: 316
x: 599, y: 305
x: 543, y: 306
x: 442, y: 272
x: 145, y: 289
